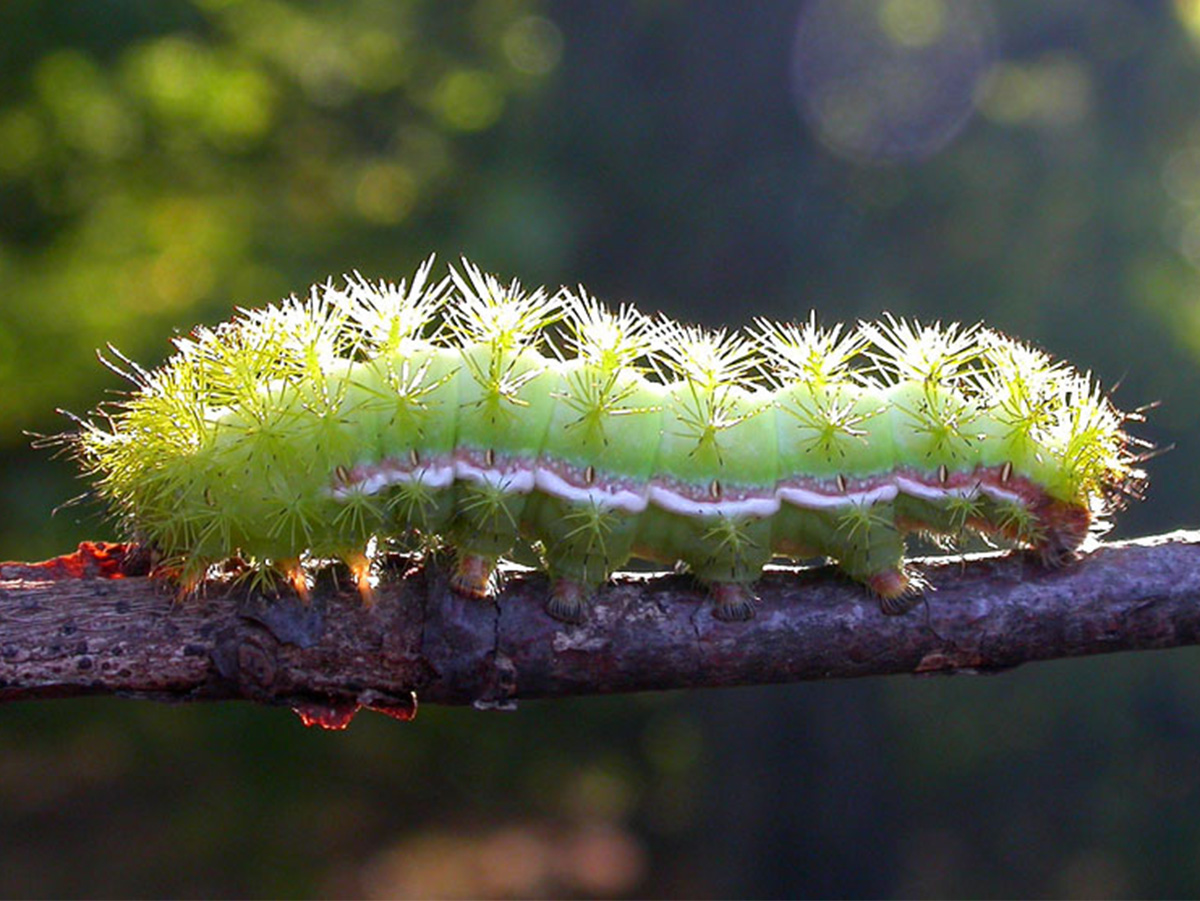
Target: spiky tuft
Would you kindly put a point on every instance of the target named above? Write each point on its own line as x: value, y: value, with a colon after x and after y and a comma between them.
x: 807, y: 353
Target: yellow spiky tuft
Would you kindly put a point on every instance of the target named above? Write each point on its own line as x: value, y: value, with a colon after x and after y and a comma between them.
x: 1089, y: 434
x: 807, y: 353
x: 391, y: 316
x: 605, y: 339
x: 307, y: 335
x: 1021, y: 386
x: 505, y: 317
x: 711, y: 360
x: 834, y: 424
x: 590, y: 525
x: 715, y: 368
x: 508, y: 322
x: 1050, y: 409
x: 613, y: 349
x: 732, y: 543
x: 933, y: 354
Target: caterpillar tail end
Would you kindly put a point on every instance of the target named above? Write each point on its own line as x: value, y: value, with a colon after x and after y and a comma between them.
x: 568, y: 601
x: 733, y: 602
x: 472, y: 577
x: 1062, y: 528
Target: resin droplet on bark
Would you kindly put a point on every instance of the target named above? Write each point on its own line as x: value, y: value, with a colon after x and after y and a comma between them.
x: 332, y: 715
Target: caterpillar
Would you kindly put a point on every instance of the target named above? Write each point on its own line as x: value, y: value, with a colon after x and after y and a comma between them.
x: 548, y: 426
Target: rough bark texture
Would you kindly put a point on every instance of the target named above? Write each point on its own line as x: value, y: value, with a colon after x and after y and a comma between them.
x: 83, y: 624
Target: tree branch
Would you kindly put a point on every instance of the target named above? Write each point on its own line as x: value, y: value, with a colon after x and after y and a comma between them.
x: 80, y: 625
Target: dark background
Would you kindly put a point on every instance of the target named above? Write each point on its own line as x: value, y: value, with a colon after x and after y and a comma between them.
x: 1033, y: 165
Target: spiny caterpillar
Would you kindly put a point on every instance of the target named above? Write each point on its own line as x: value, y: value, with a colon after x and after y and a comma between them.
x: 505, y: 422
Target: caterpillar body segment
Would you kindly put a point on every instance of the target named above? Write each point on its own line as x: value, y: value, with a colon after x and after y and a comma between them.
x: 508, y: 422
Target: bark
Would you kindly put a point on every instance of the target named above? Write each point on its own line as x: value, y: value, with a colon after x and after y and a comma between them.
x: 87, y: 624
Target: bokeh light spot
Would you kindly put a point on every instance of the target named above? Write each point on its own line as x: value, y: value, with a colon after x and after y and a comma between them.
x: 385, y: 193
x: 514, y: 860
x: 1055, y: 91
x: 469, y: 100
x: 1188, y: 12
x: 170, y: 73
x: 241, y: 109
x: 913, y: 23
x: 533, y: 45
x: 890, y: 80
x: 88, y: 115
x: 381, y: 63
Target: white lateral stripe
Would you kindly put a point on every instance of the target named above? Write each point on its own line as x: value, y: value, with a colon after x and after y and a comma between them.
x: 622, y: 499
x: 815, y: 500
x: 917, y: 488
x: 914, y: 488
x: 375, y: 483
x: 518, y: 481
x: 999, y: 494
x: 431, y: 476
x: 523, y: 480
x: 435, y: 476
x: 673, y: 502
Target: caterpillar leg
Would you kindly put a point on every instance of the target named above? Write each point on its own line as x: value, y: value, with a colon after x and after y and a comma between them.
x: 583, y: 544
x: 572, y: 584
x: 728, y: 554
x: 472, y: 576
x: 186, y: 578
x: 568, y: 601
x: 733, y: 602
x: 187, y: 586
x: 874, y: 556
x: 360, y: 569
x: 896, y: 592
x: 293, y: 572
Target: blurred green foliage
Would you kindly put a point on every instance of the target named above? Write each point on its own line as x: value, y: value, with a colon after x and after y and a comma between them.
x: 161, y: 163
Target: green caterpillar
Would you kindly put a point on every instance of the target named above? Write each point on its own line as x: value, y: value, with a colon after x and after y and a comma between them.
x: 508, y: 422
